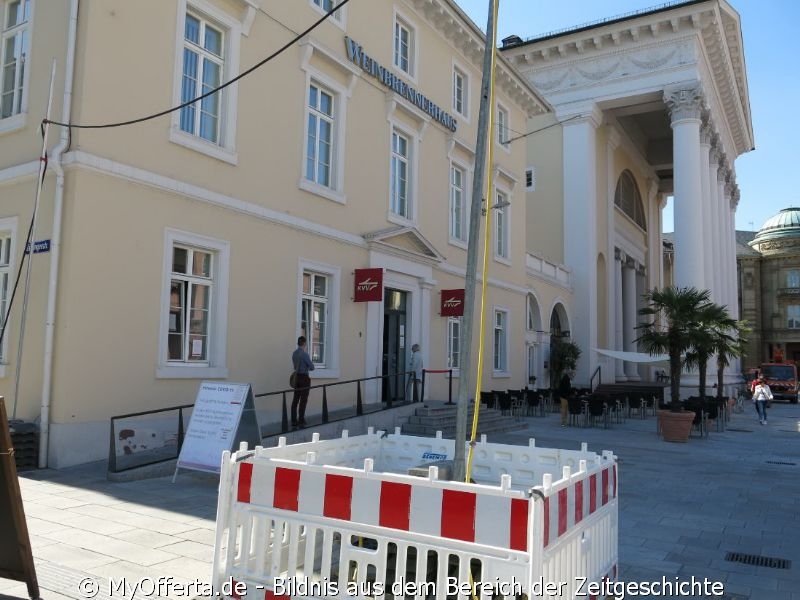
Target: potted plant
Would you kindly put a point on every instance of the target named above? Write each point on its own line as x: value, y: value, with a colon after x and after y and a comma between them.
x: 672, y: 328
x: 564, y: 355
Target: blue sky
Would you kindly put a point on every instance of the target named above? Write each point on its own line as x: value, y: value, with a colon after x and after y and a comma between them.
x: 766, y: 176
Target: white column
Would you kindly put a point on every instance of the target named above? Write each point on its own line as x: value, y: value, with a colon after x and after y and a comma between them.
x: 714, y: 229
x: 619, y: 367
x: 580, y: 231
x: 684, y: 103
x: 705, y: 200
x: 727, y: 250
x: 722, y: 175
x: 613, y: 273
x: 734, y: 306
x: 629, y: 316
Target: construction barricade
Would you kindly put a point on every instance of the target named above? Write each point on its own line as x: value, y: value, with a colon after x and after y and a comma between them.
x: 345, y: 517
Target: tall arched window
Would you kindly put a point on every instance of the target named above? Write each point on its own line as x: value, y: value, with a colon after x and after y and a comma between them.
x: 628, y: 198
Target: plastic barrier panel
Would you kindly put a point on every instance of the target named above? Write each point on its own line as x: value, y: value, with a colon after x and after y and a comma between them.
x: 343, y: 518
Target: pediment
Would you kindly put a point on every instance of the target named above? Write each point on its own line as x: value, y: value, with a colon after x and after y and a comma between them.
x: 407, y: 241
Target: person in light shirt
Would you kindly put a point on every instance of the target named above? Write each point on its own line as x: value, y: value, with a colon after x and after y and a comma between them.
x: 761, y: 393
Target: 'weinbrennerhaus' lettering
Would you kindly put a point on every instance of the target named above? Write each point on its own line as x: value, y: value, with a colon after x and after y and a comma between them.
x: 369, y: 65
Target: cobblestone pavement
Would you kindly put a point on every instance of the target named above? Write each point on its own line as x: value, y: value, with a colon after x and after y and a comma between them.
x: 683, y: 508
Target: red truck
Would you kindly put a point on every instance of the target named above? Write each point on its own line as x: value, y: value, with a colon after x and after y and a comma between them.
x: 781, y: 379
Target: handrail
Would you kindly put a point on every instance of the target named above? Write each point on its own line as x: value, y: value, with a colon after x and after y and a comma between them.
x: 400, y: 378
x: 598, y: 372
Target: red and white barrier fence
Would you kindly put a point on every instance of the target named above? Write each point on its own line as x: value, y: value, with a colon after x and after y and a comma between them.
x: 343, y: 517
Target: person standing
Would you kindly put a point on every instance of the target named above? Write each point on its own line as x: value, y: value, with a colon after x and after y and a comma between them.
x: 762, y: 393
x: 301, y: 362
x: 415, y: 377
x: 564, y: 392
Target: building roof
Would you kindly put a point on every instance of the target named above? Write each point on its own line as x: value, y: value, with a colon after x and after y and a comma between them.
x: 743, y: 238
x: 785, y: 224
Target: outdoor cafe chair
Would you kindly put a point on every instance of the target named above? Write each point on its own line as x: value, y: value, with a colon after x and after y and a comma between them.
x: 535, y: 403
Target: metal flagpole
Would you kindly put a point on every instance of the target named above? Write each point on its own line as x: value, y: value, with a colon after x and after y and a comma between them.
x: 32, y: 241
x: 476, y: 210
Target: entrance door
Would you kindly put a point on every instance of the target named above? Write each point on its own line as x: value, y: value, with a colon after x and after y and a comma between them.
x: 394, y: 345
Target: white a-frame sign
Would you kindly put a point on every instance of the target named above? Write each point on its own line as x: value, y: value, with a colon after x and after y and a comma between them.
x: 223, y: 416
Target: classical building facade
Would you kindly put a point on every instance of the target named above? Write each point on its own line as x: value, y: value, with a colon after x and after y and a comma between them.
x: 651, y: 105
x: 200, y: 244
x: 769, y: 288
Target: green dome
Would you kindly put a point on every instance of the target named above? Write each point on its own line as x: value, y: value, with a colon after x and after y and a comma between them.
x: 785, y: 224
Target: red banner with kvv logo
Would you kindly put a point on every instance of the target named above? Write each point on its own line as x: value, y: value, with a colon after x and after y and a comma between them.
x: 368, y: 285
x: 452, y: 303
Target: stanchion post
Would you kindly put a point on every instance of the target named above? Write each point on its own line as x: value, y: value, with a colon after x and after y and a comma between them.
x: 359, y: 404
x: 420, y: 398
x: 285, y: 416
x: 450, y: 388
x: 324, y: 403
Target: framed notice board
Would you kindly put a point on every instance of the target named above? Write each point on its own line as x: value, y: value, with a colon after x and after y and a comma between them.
x: 223, y: 416
x: 16, y: 559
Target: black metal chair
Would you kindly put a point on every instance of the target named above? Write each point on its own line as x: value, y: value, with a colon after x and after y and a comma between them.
x: 636, y: 404
x: 577, y: 411
x: 696, y: 405
x: 597, y: 411
x: 534, y: 402
x: 488, y: 399
x: 503, y: 402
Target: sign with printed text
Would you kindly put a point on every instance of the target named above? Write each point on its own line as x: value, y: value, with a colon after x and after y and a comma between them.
x: 368, y: 285
x: 452, y: 303
x: 38, y: 247
x: 223, y: 416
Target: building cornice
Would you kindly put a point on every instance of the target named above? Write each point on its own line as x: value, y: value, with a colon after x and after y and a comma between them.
x: 651, y: 42
x: 459, y: 30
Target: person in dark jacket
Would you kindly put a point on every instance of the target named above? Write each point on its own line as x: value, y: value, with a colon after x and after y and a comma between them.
x: 302, y: 364
x: 564, y: 392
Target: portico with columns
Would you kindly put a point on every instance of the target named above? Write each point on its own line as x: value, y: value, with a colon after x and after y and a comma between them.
x: 651, y: 105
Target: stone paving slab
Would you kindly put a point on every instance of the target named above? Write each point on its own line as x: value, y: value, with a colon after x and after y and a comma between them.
x: 682, y: 508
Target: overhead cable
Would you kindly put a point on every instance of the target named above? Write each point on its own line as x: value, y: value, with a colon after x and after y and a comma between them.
x: 258, y: 65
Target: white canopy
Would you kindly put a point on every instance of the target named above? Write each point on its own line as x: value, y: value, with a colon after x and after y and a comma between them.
x: 638, y: 357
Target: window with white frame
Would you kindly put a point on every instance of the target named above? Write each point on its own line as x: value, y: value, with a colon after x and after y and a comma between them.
x: 203, y: 67
x: 460, y: 89
x: 454, y: 342
x: 793, y: 278
x: 314, y: 314
x: 458, y: 211
x: 502, y: 126
x: 5, y: 280
x: 321, y: 131
x: 793, y: 316
x: 400, y: 174
x: 501, y: 227
x: 500, y: 340
x: 190, y: 296
x: 16, y: 39
x: 403, y: 46
x: 531, y: 314
x: 194, y: 311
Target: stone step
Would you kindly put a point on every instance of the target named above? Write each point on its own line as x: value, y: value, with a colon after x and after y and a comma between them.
x: 485, y: 416
x: 450, y: 431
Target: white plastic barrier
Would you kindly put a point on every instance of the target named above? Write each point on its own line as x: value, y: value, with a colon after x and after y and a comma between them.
x: 342, y: 517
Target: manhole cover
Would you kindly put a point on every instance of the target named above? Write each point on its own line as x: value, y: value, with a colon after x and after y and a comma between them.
x: 758, y: 561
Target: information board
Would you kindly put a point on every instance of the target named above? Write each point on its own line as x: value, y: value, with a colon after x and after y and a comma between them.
x: 223, y: 416
x: 16, y: 559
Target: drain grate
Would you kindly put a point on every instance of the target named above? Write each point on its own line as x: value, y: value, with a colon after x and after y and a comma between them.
x: 739, y: 430
x: 781, y: 462
x: 758, y: 560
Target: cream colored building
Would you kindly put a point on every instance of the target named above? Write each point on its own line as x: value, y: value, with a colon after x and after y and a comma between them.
x: 200, y: 244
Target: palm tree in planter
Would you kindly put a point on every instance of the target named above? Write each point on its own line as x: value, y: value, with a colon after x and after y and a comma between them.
x: 715, y: 329
x: 672, y: 328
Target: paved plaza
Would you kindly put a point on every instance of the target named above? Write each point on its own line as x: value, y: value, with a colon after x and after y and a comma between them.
x: 683, y: 508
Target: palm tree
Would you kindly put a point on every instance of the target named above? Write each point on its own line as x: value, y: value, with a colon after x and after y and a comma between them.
x: 714, y: 329
x: 730, y: 347
x: 672, y: 328
x: 564, y: 355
